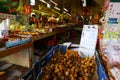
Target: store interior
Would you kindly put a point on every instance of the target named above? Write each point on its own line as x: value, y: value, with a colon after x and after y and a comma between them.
x: 59, y: 40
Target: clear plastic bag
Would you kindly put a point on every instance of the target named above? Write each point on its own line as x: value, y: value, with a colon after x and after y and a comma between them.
x: 112, y: 52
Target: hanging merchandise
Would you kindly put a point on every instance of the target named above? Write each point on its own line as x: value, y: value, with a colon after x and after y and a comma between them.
x: 110, y: 44
x: 106, y: 4
x: 27, y: 9
x: 113, y: 25
x: 113, y: 11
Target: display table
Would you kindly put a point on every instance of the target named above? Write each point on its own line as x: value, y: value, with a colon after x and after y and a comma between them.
x: 58, y: 30
x: 21, y: 55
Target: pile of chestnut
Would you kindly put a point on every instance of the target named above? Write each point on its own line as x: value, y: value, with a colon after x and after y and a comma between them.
x: 69, y: 66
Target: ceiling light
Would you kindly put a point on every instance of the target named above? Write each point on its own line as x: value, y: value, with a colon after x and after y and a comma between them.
x: 90, y: 17
x: 65, y: 9
x: 57, y: 8
x: 53, y: 2
x: 82, y: 17
x: 43, y: 1
x: 64, y: 12
x: 68, y: 14
x: 32, y: 2
x: 48, y: 5
x: 84, y: 3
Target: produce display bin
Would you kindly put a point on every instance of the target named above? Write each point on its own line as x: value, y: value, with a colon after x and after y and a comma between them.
x: 53, y: 59
x: 100, y: 70
x: 36, y: 71
x: 41, y: 66
x: 25, y: 40
x: 12, y: 43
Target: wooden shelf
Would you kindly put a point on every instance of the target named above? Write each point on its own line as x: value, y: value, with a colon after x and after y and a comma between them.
x: 12, y: 50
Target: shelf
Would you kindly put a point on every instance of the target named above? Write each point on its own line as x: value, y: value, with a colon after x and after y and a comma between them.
x: 12, y: 50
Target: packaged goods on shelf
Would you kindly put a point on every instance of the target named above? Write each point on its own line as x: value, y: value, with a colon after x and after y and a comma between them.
x: 112, y: 52
x: 109, y: 68
x: 116, y: 73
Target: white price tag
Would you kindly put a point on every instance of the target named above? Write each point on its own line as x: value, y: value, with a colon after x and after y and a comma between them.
x: 88, y: 40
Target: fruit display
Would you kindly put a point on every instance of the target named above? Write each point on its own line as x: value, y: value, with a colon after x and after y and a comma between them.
x: 28, y: 33
x: 41, y: 30
x: 17, y: 27
x: 13, y: 40
x: 13, y: 37
x: 69, y: 66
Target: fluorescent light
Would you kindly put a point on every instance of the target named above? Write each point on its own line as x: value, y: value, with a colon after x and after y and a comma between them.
x: 48, y: 5
x: 65, y: 9
x: 53, y: 2
x: 57, y: 8
x: 43, y: 1
x: 64, y: 12
x: 68, y: 14
x: 90, y: 17
x: 32, y: 2
x: 84, y: 3
x: 82, y: 17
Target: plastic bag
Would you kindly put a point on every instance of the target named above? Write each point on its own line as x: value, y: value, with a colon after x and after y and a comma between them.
x: 112, y: 52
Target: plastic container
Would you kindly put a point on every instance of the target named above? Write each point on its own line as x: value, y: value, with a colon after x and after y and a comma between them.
x: 45, y: 59
x: 63, y: 48
x: 12, y: 43
x: 25, y: 40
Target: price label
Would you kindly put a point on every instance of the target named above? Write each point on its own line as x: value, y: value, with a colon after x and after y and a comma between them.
x: 88, y: 40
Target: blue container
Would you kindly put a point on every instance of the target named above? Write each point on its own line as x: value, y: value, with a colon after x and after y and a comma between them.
x: 100, y: 70
x: 45, y: 59
x: 12, y: 43
x: 22, y: 41
x: 63, y: 48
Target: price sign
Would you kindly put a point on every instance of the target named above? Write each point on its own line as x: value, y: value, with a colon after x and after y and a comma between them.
x: 27, y: 9
x: 114, y: 11
x: 88, y: 40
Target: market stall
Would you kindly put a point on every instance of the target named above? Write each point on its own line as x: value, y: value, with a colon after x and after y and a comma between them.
x: 23, y: 37
x: 61, y: 63
x: 109, y: 44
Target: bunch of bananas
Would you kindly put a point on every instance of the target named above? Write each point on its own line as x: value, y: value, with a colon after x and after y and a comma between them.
x: 20, y: 7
